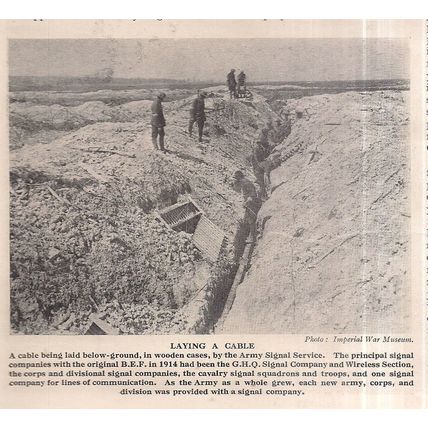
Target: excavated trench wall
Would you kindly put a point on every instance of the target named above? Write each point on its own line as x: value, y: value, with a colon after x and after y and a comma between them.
x: 206, y: 309
x: 333, y: 255
x: 212, y: 306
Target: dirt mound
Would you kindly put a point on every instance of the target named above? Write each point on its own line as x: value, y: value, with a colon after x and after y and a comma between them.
x: 35, y: 117
x: 110, y: 97
x: 334, y: 252
x: 84, y: 233
x: 31, y: 123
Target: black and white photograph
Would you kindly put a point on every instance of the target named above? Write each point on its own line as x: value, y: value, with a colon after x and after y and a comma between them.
x: 209, y: 186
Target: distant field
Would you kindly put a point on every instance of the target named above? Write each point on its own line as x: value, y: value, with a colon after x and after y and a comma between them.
x: 75, y: 91
x: 280, y: 90
x: 89, y: 84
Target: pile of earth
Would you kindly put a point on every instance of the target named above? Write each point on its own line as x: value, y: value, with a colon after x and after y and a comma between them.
x: 111, y: 97
x: 334, y: 250
x: 84, y: 234
x: 27, y: 119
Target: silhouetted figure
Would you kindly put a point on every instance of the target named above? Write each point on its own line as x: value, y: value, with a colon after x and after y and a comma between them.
x: 197, y: 114
x: 242, y: 86
x: 252, y: 202
x: 158, y: 122
x: 231, y: 83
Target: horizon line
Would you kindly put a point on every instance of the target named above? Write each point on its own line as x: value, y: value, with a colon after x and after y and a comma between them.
x: 196, y: 81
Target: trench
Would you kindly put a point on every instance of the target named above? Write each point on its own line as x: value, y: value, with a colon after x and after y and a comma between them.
x: 243, y: 255
x: 239, y: 276
x: 225, y: 292
x: 219, y: 293
x: 219, y: 299
x: 225, y: 284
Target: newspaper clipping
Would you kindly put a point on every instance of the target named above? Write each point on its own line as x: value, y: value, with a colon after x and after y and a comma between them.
x: 213, y: 214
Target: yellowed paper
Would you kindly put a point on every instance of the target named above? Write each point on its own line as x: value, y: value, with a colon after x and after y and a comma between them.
x: 267, y: 252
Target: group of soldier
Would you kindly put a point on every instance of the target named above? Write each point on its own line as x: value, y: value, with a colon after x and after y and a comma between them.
x: 236, y: 87
x: 197, y: 114
x: 260, y: 157
x: 197, y: 111
x: 262, y: 162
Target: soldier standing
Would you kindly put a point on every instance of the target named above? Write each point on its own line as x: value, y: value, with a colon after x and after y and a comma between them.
x: 231, y: 83
x: 252, y: 202
x: 258, y: 156
x: 241, y: 82
x: 197, y: 114
x: 158, y: 122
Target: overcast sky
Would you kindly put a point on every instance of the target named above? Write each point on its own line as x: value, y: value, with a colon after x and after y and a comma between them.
x: 211, y: 59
